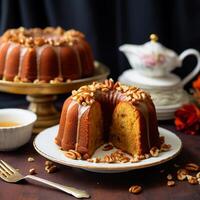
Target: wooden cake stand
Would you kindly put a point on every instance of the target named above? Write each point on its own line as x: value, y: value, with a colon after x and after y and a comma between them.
x: 42, y: 95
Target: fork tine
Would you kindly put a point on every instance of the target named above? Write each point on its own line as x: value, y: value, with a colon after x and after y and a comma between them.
x: 7, y: 170
x: 2, y: 173
x: 13, y: 170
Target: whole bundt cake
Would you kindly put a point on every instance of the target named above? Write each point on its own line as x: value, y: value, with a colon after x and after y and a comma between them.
x: 108, y: 111
x: 44, y: 55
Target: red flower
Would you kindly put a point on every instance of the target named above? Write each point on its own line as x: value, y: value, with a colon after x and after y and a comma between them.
x: 196, y: 83
x: 187, y: 119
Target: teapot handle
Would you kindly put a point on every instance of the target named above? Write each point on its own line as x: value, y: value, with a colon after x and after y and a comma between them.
x: 196, y: 69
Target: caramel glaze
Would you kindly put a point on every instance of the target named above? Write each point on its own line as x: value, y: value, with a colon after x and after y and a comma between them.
x: 74, y: 115
x: 45, y: 63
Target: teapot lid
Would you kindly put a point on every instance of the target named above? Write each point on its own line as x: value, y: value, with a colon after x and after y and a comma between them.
x: 153, y: 46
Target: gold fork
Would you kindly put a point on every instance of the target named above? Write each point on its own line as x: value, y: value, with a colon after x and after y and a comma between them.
x: 11, y: 175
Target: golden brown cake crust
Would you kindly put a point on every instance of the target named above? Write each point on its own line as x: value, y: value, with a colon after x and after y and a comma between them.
x: 115, y: 100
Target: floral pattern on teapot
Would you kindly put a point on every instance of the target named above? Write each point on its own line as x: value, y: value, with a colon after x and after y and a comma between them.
x: 152, y: 58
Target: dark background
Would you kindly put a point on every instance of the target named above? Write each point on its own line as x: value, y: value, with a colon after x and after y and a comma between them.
x: 109, y: 23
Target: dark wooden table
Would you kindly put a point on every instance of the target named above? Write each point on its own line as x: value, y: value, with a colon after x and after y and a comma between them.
x: 103, y: 186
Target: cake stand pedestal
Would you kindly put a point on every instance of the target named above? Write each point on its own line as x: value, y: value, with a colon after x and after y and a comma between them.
x: 42, y: 96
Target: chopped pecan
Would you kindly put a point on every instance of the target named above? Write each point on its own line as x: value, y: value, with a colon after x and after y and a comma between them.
x: 48, y: 163
x: 135, y: 189
x: 182, y: 174
x: 170, y: 183
x: 32, y: 171
x: 94, y: 160
x: 134, y: 160
x: 154, y: 151
x: 125, y: 159
x: 30, y: 159
x: 73, y: 154
x: 198, y: 175
x: 108, y: 159
x: 51, y: 169
x: 169, y: 177
x: 192, y: 167
x: 192, y: 180
x: 165, y: 147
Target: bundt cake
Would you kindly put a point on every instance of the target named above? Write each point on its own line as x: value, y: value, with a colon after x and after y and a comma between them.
x: 44, y: 55
x: 108, y: 111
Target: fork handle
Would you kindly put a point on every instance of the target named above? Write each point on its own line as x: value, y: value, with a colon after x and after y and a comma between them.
x: 70, y: 190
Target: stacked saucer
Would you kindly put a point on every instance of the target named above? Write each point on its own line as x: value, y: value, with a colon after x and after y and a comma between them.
x: 166, y: 92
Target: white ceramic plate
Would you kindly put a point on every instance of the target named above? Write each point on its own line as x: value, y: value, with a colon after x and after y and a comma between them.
x: 44, y: 145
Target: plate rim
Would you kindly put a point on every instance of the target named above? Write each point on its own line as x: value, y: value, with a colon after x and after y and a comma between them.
x: 108, y: 167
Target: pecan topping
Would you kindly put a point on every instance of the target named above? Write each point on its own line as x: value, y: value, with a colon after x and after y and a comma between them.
x: 131, y: 93
x: 170, y: 183
x: 192, y: 167
x: 32, y: 171
x: 94, y: 160
x: 169, y: 177
x: 147, y: 155
x: 165, y: 147
x: 48, y: 163
x: 135, y: 189
x: 198, y: 175
x: 181, y: 174
x: 30, y: 159
x: 192, y: 180
x: 125, y: 159
x: 154, y: 151
x: 51, y: 169
x: 73, y: 154
x: 108, y: 159
x: 134, y: 160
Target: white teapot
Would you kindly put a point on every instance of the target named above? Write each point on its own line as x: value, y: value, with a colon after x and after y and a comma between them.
x: 152, y: 59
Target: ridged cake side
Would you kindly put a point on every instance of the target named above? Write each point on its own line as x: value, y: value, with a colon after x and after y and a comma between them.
x: 130, y: 112
x: 49, y: 55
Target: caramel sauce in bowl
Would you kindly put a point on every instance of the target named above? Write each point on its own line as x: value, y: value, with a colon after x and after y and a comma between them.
x: 15, y: 128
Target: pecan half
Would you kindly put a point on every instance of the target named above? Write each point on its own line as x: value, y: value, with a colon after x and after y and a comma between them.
x: 192, y: 167
x: 73, y: 154
x: 135, y: 189
x: 70, y: 155
x: 182, y: 174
